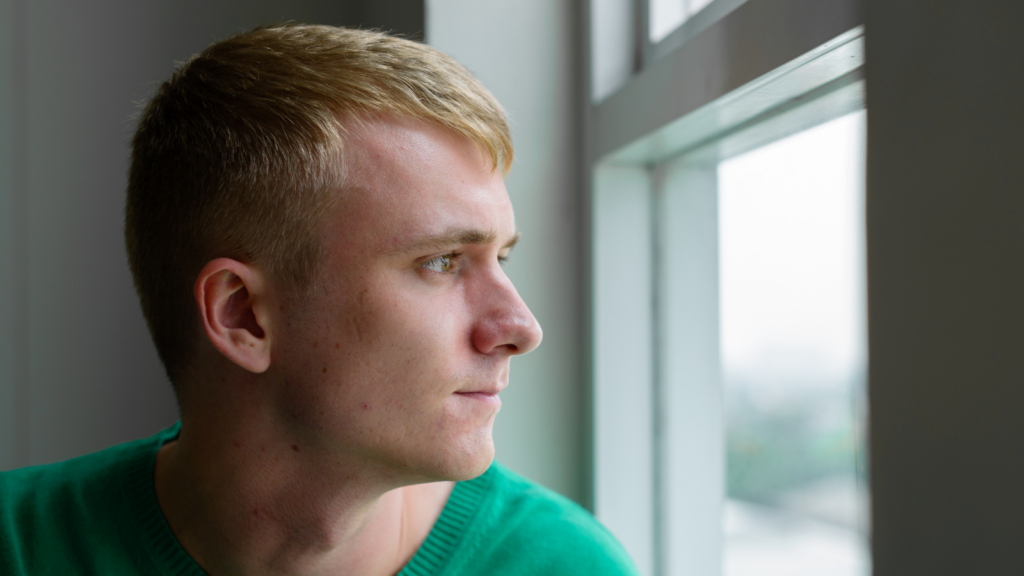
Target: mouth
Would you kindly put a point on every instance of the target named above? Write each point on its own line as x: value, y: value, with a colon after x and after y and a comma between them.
x: 487, y: 387
x: 484, y: 397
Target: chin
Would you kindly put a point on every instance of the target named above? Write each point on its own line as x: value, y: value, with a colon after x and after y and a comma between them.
x: 466, y: 459
x: 477, y: 466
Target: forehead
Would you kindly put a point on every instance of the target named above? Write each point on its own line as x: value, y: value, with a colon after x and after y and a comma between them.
x: 405, y: 179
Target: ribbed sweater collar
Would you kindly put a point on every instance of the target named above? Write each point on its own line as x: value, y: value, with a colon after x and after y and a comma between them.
x: 450, y: 529
x: 166, y: 553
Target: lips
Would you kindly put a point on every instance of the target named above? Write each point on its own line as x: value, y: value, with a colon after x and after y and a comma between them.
x: 484, y: 393
x: 488, y: 390
x: 479, y: 394
x: 489, y: 398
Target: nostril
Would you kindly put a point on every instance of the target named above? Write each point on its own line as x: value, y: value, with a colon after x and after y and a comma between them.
x: 505, y: 324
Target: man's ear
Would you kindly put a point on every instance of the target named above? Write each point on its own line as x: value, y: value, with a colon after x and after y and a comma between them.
x: 233, y: 301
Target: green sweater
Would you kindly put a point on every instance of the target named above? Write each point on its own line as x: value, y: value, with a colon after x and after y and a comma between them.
x: 98, y: 514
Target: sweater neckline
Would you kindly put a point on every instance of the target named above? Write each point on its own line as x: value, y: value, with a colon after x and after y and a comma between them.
x: 163, y: 549
x: 171, y: 559
x: 451, y: 527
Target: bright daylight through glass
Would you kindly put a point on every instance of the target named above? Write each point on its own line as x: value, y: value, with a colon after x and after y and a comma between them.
x: 667, y: 15
x: 794, y: 354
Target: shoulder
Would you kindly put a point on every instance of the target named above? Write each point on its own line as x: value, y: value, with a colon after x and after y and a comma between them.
x: 69, y: 483
x: 534, y: 530
x: 51, y: 513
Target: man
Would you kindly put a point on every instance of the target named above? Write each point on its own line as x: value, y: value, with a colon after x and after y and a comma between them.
x: 316, y: 222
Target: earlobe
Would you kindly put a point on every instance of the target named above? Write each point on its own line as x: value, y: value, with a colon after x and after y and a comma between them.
x: 232, y: 298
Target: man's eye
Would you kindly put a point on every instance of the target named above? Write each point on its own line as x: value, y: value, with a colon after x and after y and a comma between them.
x: 443, y: 263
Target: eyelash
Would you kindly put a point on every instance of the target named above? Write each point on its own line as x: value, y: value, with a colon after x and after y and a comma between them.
x: 452, y: 258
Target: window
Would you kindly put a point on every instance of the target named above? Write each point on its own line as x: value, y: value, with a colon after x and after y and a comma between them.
x: 667, y: 15
x: 793, y: 350
x: 728, y: 289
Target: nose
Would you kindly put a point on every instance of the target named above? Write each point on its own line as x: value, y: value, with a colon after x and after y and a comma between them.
x: 503, y: 324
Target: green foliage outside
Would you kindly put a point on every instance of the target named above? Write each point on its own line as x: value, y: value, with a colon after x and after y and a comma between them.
x: 778, y: 449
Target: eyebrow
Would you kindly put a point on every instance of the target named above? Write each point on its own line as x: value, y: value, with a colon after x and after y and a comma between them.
x: 453, y: 238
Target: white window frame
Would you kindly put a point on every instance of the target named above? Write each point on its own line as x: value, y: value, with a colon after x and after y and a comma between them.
x: 739, y: 74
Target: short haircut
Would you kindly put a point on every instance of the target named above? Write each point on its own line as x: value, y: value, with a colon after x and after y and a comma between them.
x: 238, y: 155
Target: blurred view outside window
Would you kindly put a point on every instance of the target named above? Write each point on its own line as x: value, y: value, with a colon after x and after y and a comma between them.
x: 793, y: 345
x: 667, y: 15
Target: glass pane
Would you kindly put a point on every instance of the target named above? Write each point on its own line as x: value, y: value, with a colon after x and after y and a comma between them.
x: 667, y: 15
x: 793, y: 345
x: 611, y: 46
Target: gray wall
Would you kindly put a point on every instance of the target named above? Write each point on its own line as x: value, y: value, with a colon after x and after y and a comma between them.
x: 526, y: 53
x: 945, y: 93
x: 77, y: 369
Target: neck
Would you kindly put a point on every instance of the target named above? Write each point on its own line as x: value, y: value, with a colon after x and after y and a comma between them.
x: 251, y: 501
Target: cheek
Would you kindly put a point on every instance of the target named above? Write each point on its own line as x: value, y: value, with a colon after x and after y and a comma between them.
x: 388, y: 321
x: 388, y: 345
x: 378, y: 340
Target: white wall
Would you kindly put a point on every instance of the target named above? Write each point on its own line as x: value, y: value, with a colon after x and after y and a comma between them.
x: 526, y: 53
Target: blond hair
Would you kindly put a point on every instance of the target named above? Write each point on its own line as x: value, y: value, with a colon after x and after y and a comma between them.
x: 238, y: 155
